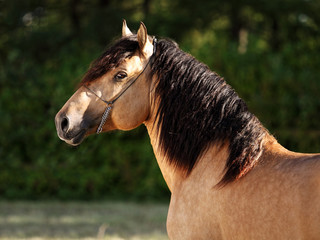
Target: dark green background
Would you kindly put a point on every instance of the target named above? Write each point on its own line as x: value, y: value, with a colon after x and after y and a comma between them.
x: 267, y: 50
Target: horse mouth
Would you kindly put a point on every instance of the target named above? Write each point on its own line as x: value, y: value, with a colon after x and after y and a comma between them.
x: 77, y: 139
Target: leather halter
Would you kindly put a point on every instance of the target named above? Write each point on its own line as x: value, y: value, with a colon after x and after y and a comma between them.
x: 111, y: 102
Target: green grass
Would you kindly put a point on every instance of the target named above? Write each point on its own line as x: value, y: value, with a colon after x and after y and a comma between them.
x: 82, y: 220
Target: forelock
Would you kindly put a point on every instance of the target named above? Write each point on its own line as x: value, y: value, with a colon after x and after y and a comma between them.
x: 111, y: 58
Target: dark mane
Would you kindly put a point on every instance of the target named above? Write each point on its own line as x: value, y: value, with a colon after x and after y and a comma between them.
x: 198, y: 108
x: 111, y: 58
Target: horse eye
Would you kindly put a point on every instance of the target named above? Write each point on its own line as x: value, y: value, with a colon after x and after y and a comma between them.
x: 120, y: 76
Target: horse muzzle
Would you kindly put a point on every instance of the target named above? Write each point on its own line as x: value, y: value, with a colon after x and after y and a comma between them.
x: 72, y: 135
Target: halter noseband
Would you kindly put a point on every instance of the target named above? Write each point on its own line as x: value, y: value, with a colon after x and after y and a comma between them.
x: 110, y: 103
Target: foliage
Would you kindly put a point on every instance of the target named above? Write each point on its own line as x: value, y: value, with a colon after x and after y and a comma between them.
x: 267, y: 52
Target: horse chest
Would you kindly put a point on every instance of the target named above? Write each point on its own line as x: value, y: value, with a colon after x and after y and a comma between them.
x: 190, y: 217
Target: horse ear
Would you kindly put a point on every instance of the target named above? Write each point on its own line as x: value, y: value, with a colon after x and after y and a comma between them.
x: 145, y: 45
x: 125, y: 30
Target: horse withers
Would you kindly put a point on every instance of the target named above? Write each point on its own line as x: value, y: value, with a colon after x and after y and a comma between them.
x: 229, y: 178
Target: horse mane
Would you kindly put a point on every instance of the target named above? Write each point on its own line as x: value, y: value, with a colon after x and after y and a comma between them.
x: 111, y: 58
x: 197, y: 108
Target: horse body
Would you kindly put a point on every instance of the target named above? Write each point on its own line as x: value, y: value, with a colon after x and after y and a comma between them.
x: 229, y: 178
x: 278, y: 199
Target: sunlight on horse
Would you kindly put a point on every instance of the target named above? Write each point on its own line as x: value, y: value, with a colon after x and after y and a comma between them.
x: 229, y: 178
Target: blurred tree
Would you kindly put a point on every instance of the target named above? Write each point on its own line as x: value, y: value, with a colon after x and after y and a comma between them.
x: 268, y: 50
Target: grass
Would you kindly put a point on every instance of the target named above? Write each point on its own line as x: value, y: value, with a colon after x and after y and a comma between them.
x: 82, y: 220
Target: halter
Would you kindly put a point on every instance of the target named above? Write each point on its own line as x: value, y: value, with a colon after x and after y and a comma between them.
x: 110, y: 103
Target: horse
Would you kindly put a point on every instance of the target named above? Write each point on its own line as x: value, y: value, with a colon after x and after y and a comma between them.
x: 228, y: 176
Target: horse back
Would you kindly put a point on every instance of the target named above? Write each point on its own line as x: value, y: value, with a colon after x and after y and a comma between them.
x: 299, y: 185
x: 279, y: 199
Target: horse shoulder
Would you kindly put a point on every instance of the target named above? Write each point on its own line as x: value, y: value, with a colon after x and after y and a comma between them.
x: 194, y: 205
x: 192, y: 218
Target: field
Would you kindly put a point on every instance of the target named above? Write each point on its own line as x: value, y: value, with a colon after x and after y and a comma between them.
x: 82, y: 220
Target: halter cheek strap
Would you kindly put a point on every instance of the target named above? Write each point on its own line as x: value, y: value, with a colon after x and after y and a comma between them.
x: 110, y: 103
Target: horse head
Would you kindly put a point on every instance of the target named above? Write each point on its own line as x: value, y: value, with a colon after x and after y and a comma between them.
x: 114, y: 93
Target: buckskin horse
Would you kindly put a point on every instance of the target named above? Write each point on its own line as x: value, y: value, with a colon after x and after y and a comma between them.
x: 229, y: 178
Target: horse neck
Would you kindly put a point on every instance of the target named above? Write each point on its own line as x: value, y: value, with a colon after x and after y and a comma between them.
x: 208, y: 170
x: 169, y: 174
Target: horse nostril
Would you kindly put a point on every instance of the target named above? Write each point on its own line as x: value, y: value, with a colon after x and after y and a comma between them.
x: 65, y: 124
